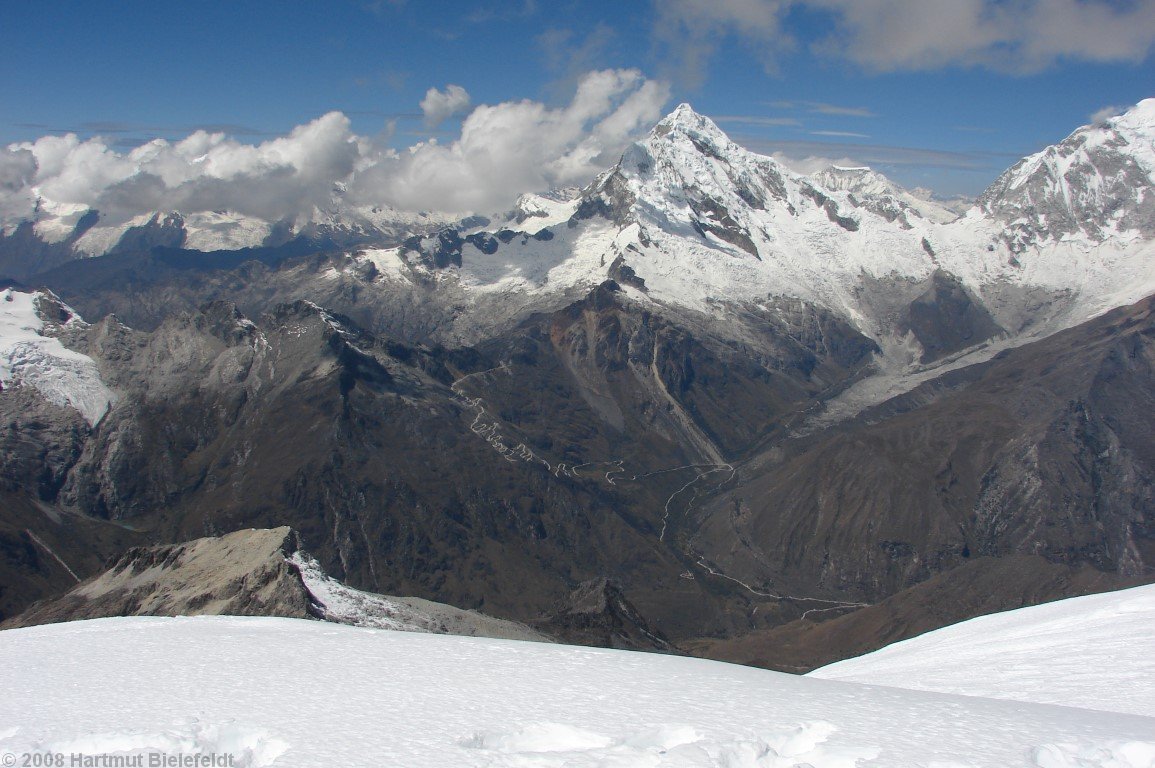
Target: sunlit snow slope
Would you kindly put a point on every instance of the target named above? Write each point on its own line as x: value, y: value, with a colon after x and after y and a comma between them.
x: 1096, y: 652
x: 287, y: 692
x: 30, y: 355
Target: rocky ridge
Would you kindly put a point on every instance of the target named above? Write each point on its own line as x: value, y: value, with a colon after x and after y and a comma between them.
x: 251, y: 573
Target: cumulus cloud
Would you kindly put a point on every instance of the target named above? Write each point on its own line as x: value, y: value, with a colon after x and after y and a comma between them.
x: 518, y: 146
x: 1017, y: 36
x: 17, y: 169
x: 439, y: 106
x: 502, y: 151
x: 205, y: 171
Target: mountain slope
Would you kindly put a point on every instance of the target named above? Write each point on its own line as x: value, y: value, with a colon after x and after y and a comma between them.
x: 31, y: 354
x: 433, y: 700
x: 1095, y: 652
x: 251, y: 573
x: 1042, y: 458
x: 1095, y: 185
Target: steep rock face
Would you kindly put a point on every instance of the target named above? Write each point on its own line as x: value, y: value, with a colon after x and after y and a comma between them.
x: 694, y: 388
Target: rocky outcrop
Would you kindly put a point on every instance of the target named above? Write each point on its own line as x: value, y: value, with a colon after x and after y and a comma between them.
x: 242, y: 574
x: 946, y: 318
x: 598, y: 613
x: 252, y: 573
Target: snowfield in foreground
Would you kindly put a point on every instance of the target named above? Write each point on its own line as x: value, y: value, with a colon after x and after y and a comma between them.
x: 1096, y: 652
x: 289, y: 692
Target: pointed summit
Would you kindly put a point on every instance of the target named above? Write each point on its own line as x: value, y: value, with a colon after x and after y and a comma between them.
x: 686, y: 121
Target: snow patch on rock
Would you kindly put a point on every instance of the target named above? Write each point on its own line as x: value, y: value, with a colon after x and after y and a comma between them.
x: 29, y: 356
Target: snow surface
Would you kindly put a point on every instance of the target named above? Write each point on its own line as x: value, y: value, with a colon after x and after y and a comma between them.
x: 343, y: 604
x: 1096, y: 652
x: 288, y: 692
x: 29, y: 357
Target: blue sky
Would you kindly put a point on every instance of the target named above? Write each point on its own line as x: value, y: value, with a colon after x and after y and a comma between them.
x: 937, y: 93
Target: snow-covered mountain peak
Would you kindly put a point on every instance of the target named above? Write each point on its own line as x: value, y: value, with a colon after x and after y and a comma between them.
x: 1138, y: 119
x: 869, y: 189
x: 692, y: 123
x: 691, y: 131
x: 840, y: 178
x: 688, y: 158
x: 1095, y: 184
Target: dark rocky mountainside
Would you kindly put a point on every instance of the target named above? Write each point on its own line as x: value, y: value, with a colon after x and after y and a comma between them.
x: 565, y: 440
x: 1042, y: 457
x: 605, y: 443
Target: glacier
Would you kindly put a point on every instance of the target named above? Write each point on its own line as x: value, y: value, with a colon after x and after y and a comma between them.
x: 31, y: 356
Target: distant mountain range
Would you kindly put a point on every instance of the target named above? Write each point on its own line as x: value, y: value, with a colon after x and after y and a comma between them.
x: 792, y: 417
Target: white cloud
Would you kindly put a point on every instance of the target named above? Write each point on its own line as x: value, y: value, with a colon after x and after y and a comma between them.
x: 514, y: 147
x: 17, y: 169
x: 1017, y: 36
x: 205, y: 171
x: 822, y: 108
x: 812, y: 164
x: 692, y: 29
x: 766, y: 122
x: 502, y: 151
x: 1106, y: 113
x: 439, y: 106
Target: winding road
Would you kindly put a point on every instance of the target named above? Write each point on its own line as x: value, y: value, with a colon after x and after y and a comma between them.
x: 489, y: 429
